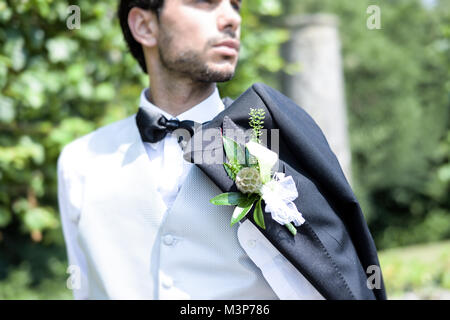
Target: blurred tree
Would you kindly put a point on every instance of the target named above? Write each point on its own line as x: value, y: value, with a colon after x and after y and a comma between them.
x: 397, y: 89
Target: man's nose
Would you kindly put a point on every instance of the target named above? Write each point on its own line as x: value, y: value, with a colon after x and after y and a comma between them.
x: 228, y: 16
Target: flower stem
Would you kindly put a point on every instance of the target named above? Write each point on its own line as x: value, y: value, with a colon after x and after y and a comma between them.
x: 291, y: 228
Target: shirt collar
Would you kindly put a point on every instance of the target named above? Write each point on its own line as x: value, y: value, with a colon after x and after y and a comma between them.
x: 202, y: 112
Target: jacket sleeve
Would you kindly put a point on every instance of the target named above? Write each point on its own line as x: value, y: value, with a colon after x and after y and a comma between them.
x: 338, y: 215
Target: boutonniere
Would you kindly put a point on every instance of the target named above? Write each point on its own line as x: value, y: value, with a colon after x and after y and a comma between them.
x: 251, y: 169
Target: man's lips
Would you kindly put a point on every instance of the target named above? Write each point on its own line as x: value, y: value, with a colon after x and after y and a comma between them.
x: 228, y: 47
x: 234, y: 44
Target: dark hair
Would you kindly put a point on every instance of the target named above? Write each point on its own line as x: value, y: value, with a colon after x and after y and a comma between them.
x: 124, y: 8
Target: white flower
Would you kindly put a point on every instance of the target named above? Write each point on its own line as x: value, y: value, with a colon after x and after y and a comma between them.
x: 278, y: 195
x: 266, y: 159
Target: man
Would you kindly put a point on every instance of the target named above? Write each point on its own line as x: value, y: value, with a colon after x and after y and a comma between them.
x: 136, y: 216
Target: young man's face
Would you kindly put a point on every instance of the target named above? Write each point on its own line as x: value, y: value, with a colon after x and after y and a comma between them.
x: 200, y: 38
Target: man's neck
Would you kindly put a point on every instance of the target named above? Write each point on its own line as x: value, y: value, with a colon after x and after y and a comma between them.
x: 178, y: 97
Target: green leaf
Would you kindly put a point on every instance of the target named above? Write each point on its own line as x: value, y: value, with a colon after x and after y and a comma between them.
x: 232, y: 169
x: 233, y: 151
x: 5, y: 217
x: 250, y: 160
x: 249, y: 199
x: 240, y: 212
x: 40, y: 219
x: 229, y: 171
x: 228, y: 199
x: 258, y: 215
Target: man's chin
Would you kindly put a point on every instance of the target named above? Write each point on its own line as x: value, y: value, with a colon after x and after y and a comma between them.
x: 224, y: 77
x: 215, y: 75
x: 220, y: 72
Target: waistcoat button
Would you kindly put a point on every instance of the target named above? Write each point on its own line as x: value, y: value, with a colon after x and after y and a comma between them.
x: 168, y: 239
x: 251, y: 243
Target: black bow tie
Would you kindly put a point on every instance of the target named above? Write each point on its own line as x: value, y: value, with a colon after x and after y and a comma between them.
x: 153, y: 126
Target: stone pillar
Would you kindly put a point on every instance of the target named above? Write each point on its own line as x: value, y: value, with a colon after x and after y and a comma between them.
x: 318, y: 84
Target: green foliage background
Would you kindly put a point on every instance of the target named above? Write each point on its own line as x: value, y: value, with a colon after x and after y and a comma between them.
x: 398, y: 89
x: 58, y: 84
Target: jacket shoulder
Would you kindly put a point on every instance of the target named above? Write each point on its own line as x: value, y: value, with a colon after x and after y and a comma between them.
x: 264, y: 88
x: 274, y: 97
x: 283, y: 106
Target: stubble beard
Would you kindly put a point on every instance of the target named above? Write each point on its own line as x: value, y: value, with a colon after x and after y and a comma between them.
x: 189, y: 62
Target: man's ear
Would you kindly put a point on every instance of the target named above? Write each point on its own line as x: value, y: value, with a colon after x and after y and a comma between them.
x: 143, y: 26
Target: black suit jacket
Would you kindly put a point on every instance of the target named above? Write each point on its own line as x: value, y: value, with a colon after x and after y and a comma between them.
x: 333, y: 248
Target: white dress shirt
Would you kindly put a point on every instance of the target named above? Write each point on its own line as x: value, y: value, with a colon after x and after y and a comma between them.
x: 170, y: 170
x: 166, y: 156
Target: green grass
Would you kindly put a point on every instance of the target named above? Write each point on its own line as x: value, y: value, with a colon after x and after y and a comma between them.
x: 421, y: 268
